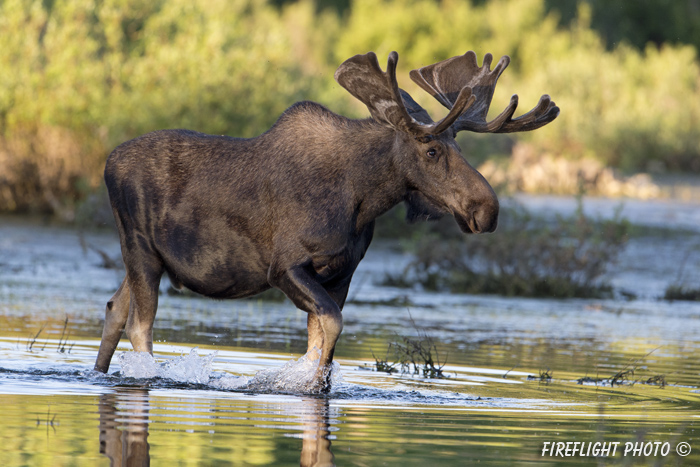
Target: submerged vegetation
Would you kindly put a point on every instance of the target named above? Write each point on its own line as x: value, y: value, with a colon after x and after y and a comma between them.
x: 681, y: 289
x: 414, y: 356
x: 545, y: 376
x: 89, y: 75
x: 624, y: 376
x: 530, y: 256
x: 61, y: 347
x: 680, y: 292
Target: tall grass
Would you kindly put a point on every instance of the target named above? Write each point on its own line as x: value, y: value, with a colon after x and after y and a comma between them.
x: 81, y: 76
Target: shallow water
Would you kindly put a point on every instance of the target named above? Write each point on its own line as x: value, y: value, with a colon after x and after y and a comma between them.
x: 238, y: 398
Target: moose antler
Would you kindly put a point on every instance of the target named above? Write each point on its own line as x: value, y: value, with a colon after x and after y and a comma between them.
x: 447, y: 79
x: 380, y: 92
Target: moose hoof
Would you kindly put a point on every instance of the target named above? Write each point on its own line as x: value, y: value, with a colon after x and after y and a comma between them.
x: 320, y: 387
x: 322, y: 381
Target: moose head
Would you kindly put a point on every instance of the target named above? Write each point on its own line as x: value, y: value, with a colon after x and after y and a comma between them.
x: 440, y: 180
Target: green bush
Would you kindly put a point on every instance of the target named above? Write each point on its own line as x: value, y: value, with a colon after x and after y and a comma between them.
x: 81, y: 76
x: 680, y: 292
x: 527, y: 256
x: 633, y: 110
x: 639, y: 23
x: 87, y: 75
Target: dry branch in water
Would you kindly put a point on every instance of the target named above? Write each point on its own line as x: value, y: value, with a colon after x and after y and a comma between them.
x: 417, y: 356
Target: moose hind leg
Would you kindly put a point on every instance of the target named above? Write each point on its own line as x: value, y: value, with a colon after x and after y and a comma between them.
x: 142, y: 312
x: 116, y: 314
x: 144, y: 270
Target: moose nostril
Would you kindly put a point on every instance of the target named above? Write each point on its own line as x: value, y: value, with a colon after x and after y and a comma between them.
x: 484, y: 220
x: 475, y: 224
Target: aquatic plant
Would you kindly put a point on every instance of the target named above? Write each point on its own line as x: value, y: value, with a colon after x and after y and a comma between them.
x: 544, y: 376
x: 413, y: 355
x: 656, y: 380
x: 62, y: 343
x: 32, y: 339
x: 681, y: 292
x: 621, y: 377
x: 383, y: 365
x: 624, y: 376
x: 61, y: 347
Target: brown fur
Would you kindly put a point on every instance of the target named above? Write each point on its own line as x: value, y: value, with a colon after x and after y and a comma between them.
x: 293, y: 208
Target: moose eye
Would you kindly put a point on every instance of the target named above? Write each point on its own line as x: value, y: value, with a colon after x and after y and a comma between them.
x: 431, y: 153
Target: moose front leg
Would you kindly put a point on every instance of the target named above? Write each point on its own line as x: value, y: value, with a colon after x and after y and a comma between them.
x: 325, y: 321
x: 338, y: 293
x: 315, y: 336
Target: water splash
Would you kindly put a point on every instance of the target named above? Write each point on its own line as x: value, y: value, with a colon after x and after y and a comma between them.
x: 190, y: 368
x: 295, y: 376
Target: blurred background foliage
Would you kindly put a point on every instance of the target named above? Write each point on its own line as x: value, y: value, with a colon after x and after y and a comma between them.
x: 79, y: 77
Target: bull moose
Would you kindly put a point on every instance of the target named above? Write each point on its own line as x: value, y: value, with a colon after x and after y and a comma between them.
x: 295, y: 207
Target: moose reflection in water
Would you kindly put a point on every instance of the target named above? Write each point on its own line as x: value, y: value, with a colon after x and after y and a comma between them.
x: 124, y: 424
x: 124, y: 427
x: 295, y: 207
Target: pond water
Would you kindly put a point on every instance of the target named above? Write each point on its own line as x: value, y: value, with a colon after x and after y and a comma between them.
x: 224, y: 388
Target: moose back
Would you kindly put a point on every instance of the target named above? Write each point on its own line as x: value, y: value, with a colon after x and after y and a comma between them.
x: 294, y: 208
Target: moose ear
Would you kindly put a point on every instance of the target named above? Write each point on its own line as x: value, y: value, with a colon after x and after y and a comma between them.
x: 414, y: 109
x: 419, y: 208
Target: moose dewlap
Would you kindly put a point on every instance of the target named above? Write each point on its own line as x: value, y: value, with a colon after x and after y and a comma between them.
x: 294, y: 208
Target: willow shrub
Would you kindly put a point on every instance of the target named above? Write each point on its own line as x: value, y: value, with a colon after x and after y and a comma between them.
x: 528, y: 256
x: 81, y: 76
x: 632, y: 110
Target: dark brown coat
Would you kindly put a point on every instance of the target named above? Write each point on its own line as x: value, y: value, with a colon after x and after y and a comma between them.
x: 293, y: 208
